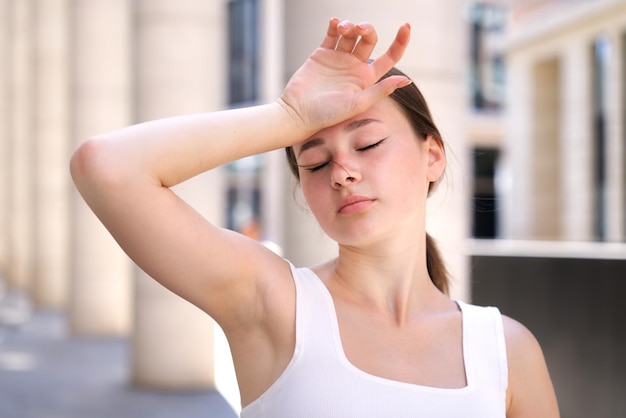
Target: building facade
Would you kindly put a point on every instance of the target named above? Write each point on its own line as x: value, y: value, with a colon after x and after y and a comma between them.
x: 553, y: 134
x: 550, y: 155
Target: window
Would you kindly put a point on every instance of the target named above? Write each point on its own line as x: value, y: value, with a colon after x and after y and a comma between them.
x: 487, y: 65
x: 485, y: 208
x: 601, y: 59
x: 243, y: 51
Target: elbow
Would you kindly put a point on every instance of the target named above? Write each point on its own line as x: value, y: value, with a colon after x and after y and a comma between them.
x: 92, y: 164
x: 78, y: 161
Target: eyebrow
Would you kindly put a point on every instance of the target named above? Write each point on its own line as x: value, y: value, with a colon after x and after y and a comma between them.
x: 352, y: 126
x: 356, y: 124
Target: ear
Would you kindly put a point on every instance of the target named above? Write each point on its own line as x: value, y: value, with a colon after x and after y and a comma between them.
x: 436, y: 158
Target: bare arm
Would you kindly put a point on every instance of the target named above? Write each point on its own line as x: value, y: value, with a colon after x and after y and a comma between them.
x: 125, y: 175
x: 530, y: 392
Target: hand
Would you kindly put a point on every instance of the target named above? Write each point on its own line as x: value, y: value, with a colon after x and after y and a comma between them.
x: 336, y: 82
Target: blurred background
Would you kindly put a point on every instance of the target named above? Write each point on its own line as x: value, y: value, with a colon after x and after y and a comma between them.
x: 530, y: 96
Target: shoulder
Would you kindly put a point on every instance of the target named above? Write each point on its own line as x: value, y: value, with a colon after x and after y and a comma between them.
x: 530, y: 391
x: 519, y: 339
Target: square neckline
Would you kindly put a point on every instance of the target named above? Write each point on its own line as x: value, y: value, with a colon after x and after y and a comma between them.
x: 348, y: 365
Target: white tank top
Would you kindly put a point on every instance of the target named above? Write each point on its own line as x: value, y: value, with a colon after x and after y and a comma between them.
x: 320, y: 382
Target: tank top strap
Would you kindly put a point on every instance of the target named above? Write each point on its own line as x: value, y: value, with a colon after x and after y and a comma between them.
x: 485, y: 349
x: 314, y: 313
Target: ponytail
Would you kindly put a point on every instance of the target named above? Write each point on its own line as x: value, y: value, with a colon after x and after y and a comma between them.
x: 436, y: 268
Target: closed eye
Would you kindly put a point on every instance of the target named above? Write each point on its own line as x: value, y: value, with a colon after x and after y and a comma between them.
x: 315, y: 167
x: 372, y: 146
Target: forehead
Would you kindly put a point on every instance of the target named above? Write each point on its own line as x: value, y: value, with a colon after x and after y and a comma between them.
x: 385, y: 112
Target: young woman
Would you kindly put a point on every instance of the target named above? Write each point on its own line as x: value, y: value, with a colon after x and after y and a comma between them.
x: 370, y: 333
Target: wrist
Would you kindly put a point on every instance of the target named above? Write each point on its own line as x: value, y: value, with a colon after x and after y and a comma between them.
x: 296, y: 125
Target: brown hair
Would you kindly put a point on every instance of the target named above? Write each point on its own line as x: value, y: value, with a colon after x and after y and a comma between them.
x: 415, y: 108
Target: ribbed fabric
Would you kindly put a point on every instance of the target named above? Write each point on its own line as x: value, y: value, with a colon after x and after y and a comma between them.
x: 320, y: 382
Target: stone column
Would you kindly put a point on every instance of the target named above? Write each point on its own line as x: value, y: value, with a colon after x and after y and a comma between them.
x: 179, y: 70
x: 100, y: 290
x: 515, y: 180
x: 5, y: 38
x: 576, y: 136
x: 436, y: 59
x: 51, y: 155
x: 546, y: 137
x: 271, y: 84
x: 20, y: 161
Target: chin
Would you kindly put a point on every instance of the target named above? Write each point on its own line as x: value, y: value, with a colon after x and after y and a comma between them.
x: 356, y: 235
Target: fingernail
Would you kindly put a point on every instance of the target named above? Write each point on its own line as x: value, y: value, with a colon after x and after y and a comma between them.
x: 405, y: 82
x: 363, y: 26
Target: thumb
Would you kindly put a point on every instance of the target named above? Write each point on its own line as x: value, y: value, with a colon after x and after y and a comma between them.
x: 384, y: 88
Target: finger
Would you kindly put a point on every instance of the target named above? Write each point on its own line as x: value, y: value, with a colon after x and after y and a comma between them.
x: 332, y: 35
x: 367, y: 42
x: 395, y: 51
x: 384, y: 88
x: 348, y: 38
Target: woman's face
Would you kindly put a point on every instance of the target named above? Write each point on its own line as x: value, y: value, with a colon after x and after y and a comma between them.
x: 368, y: 177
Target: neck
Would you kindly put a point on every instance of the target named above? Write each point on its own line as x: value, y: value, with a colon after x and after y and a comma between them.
x: 393, y: 280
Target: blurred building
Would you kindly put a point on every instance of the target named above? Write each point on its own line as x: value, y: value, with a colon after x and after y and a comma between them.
x: 528, y: 94
x: 547, y: 126
x: 547, y: 130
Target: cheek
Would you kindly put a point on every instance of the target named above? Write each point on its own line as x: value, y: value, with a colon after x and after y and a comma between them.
x: 410, y: 175
x: 313, y: 192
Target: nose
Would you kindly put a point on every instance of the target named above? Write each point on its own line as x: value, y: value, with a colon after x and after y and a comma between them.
x: 341, y: 176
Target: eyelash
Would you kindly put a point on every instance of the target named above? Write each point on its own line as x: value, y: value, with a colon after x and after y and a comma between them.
x: 366, y: 148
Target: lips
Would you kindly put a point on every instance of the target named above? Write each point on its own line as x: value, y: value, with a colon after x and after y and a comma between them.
x: 353, y: 204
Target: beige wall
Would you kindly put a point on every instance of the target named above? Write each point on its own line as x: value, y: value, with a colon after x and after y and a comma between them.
x: 5, y: 43
x: 566, y: 35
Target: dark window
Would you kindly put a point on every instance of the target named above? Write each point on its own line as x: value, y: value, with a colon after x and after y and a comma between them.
x: 243, y: 51
x: 487, y: 65
x: 485, y: 203
x: 601, y: 59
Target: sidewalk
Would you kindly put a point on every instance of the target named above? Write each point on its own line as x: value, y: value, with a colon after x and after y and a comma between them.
x: 45, y: 374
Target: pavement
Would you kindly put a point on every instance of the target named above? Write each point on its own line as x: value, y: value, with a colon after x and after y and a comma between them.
x: 44, y: 373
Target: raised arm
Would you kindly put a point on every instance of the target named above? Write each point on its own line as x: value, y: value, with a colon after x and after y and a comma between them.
x: 125, y: 175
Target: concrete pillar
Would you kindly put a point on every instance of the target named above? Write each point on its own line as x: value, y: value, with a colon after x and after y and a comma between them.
x: 51, y: 154
x: 436, y: 60
x: 514, y: 179
x: 100, y: 289
x: 545, y: 167
x: 576, y: 136
x: 4, y: 134
x: 21, y: 190
x: 271, y: 84
x: 179, y: 56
